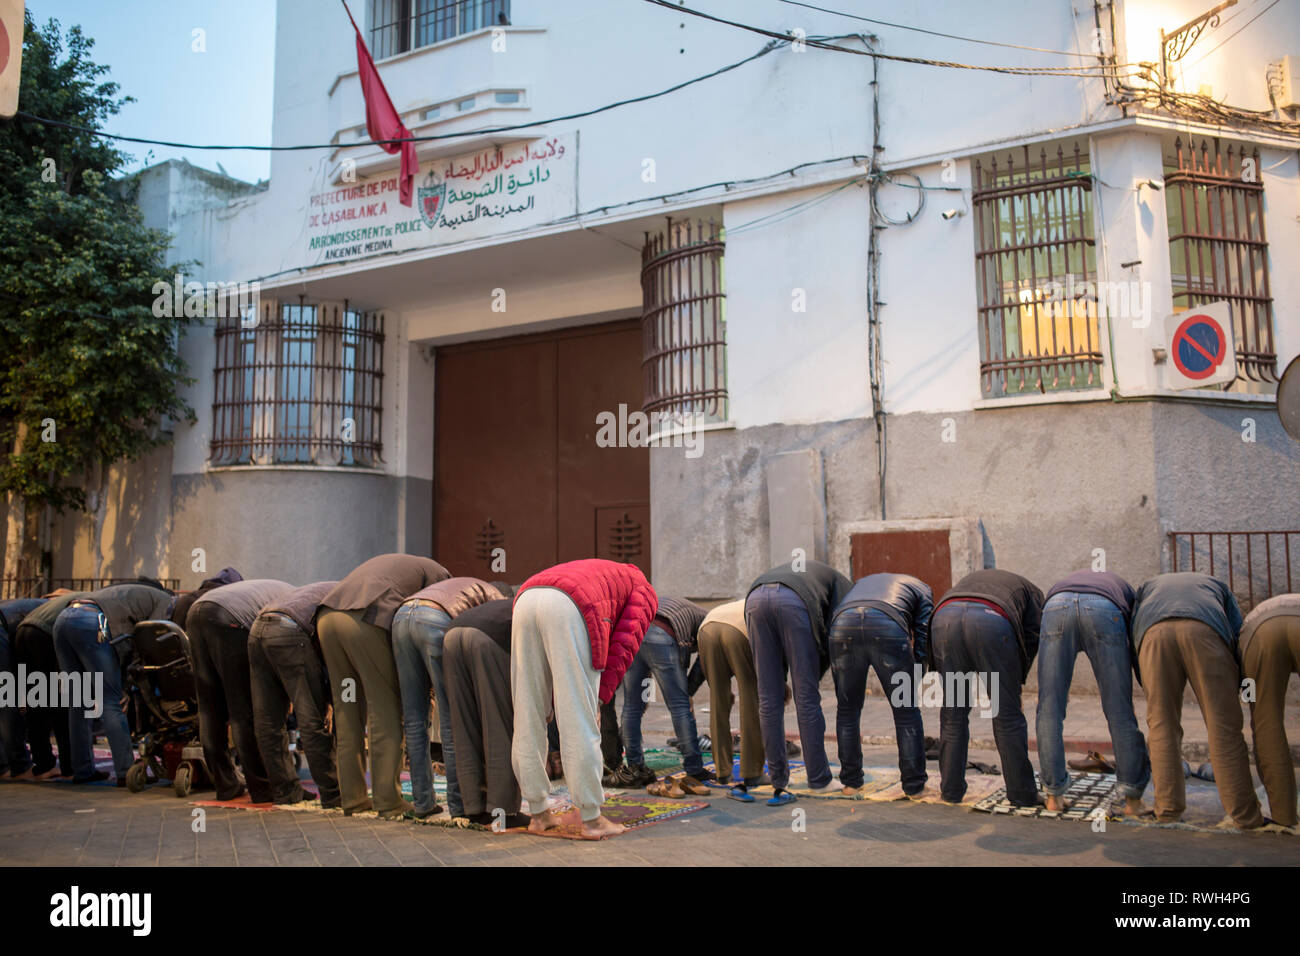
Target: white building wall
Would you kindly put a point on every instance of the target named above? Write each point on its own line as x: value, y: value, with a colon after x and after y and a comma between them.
x: 770, y: 115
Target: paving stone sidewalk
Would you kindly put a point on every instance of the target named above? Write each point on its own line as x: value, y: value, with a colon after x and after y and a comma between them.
x: 62, y: 825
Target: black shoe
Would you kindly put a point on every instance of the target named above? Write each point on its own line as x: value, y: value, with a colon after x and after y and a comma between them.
x: 629, y: 778
x: 302, y: 796
x: 705, y: 775
x: 95, y: 777
x: 792, y: 749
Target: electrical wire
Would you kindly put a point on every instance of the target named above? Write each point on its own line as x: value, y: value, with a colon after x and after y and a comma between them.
x: 936, y: 33
x: 1088, y: 72
x: 408, y: 139
x: 1242, y: 27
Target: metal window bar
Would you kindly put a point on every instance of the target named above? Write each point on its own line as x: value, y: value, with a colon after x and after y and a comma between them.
x: 28, y: 587
x: 1256, y: 565
x: 437, y: 20
x: 683, y: 323
x: 1217, y: 246
x: 305, y: 385
x: 1035, y: 265
x: 390, y: 27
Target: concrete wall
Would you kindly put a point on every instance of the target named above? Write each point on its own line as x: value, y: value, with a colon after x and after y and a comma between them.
x: 709, y: 514
x: 298, y: 525
x: 134, y: 537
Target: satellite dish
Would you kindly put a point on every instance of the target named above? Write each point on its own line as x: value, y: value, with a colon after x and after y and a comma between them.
x: 1288, y: 399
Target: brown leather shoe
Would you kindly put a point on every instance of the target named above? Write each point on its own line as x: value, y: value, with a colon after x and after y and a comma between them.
x: 1093, y: 763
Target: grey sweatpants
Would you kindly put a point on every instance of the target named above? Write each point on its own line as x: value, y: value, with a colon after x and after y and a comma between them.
x: 550, y: 655
x: 476, y: 671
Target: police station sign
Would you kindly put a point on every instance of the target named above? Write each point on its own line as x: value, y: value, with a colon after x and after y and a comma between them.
x: 496, y: 190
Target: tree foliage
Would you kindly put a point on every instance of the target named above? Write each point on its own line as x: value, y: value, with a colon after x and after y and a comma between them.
x: 80, y: 346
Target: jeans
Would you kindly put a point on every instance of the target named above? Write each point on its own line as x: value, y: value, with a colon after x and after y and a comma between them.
x: 285, y: 668
x: 659, y: 655
x: 418, y: 633
x: 76, y: 642
x: 969, y: 638
x: 862, y: 638
x: 1073, y: 622
x: 34, y: 648
x: 781, y: 635
x: 13, y: 731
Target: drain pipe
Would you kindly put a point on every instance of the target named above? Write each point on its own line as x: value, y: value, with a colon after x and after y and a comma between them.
x: 874, y: 362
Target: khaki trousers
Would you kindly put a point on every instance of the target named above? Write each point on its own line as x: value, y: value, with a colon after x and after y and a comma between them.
x: 1272, y: 656
x: 725, y: 653
x: 1174, y: 653
x: 363, y: 682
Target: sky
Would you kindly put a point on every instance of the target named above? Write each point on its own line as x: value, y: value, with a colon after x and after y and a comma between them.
x: 221, y: 95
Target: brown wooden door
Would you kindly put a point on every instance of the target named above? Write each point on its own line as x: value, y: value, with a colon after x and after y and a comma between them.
x: 516, y: 464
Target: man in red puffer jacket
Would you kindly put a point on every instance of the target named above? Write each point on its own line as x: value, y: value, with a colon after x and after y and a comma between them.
x: 575, y: 630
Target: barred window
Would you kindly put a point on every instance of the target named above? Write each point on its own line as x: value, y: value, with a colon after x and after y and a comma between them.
x: 683, y: 323
x: 397, y: 26
x: 298, y: 383
x: 1214, y: 202
x: 1035, y: 265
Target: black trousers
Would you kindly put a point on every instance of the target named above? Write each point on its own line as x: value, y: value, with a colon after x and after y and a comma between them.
x: 285, y: 668
x: 220, y: 646
x: 476, y: 671
x: 611, y: 743
x: 35, y: 649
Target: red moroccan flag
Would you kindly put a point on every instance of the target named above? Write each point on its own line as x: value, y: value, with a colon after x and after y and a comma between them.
x: 382, y: 121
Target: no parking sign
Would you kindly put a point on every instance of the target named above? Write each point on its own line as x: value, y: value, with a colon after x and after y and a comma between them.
x: 1201, y: 350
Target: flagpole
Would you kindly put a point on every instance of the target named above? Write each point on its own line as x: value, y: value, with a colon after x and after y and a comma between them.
x: 349, y: 13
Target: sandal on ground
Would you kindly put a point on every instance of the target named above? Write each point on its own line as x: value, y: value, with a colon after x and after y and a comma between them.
x: 667, y: 787
x: 781, y: 799
x: 1094, y: 762
x: 692, y: 786
x: 744, y: 796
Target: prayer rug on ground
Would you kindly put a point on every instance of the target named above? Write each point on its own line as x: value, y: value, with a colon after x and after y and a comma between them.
x: 1090, y: 797
x: 635, y: 811
x: 1204, y: 813
x: 883, y: 785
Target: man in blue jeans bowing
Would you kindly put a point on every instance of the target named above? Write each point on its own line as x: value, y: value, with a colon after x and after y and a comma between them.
x: 419, y: 630
x: 787, y: 614
x: 884, y: 623
x: 984, y: 631
x: 1089, y: 611
x: 665, y: 653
